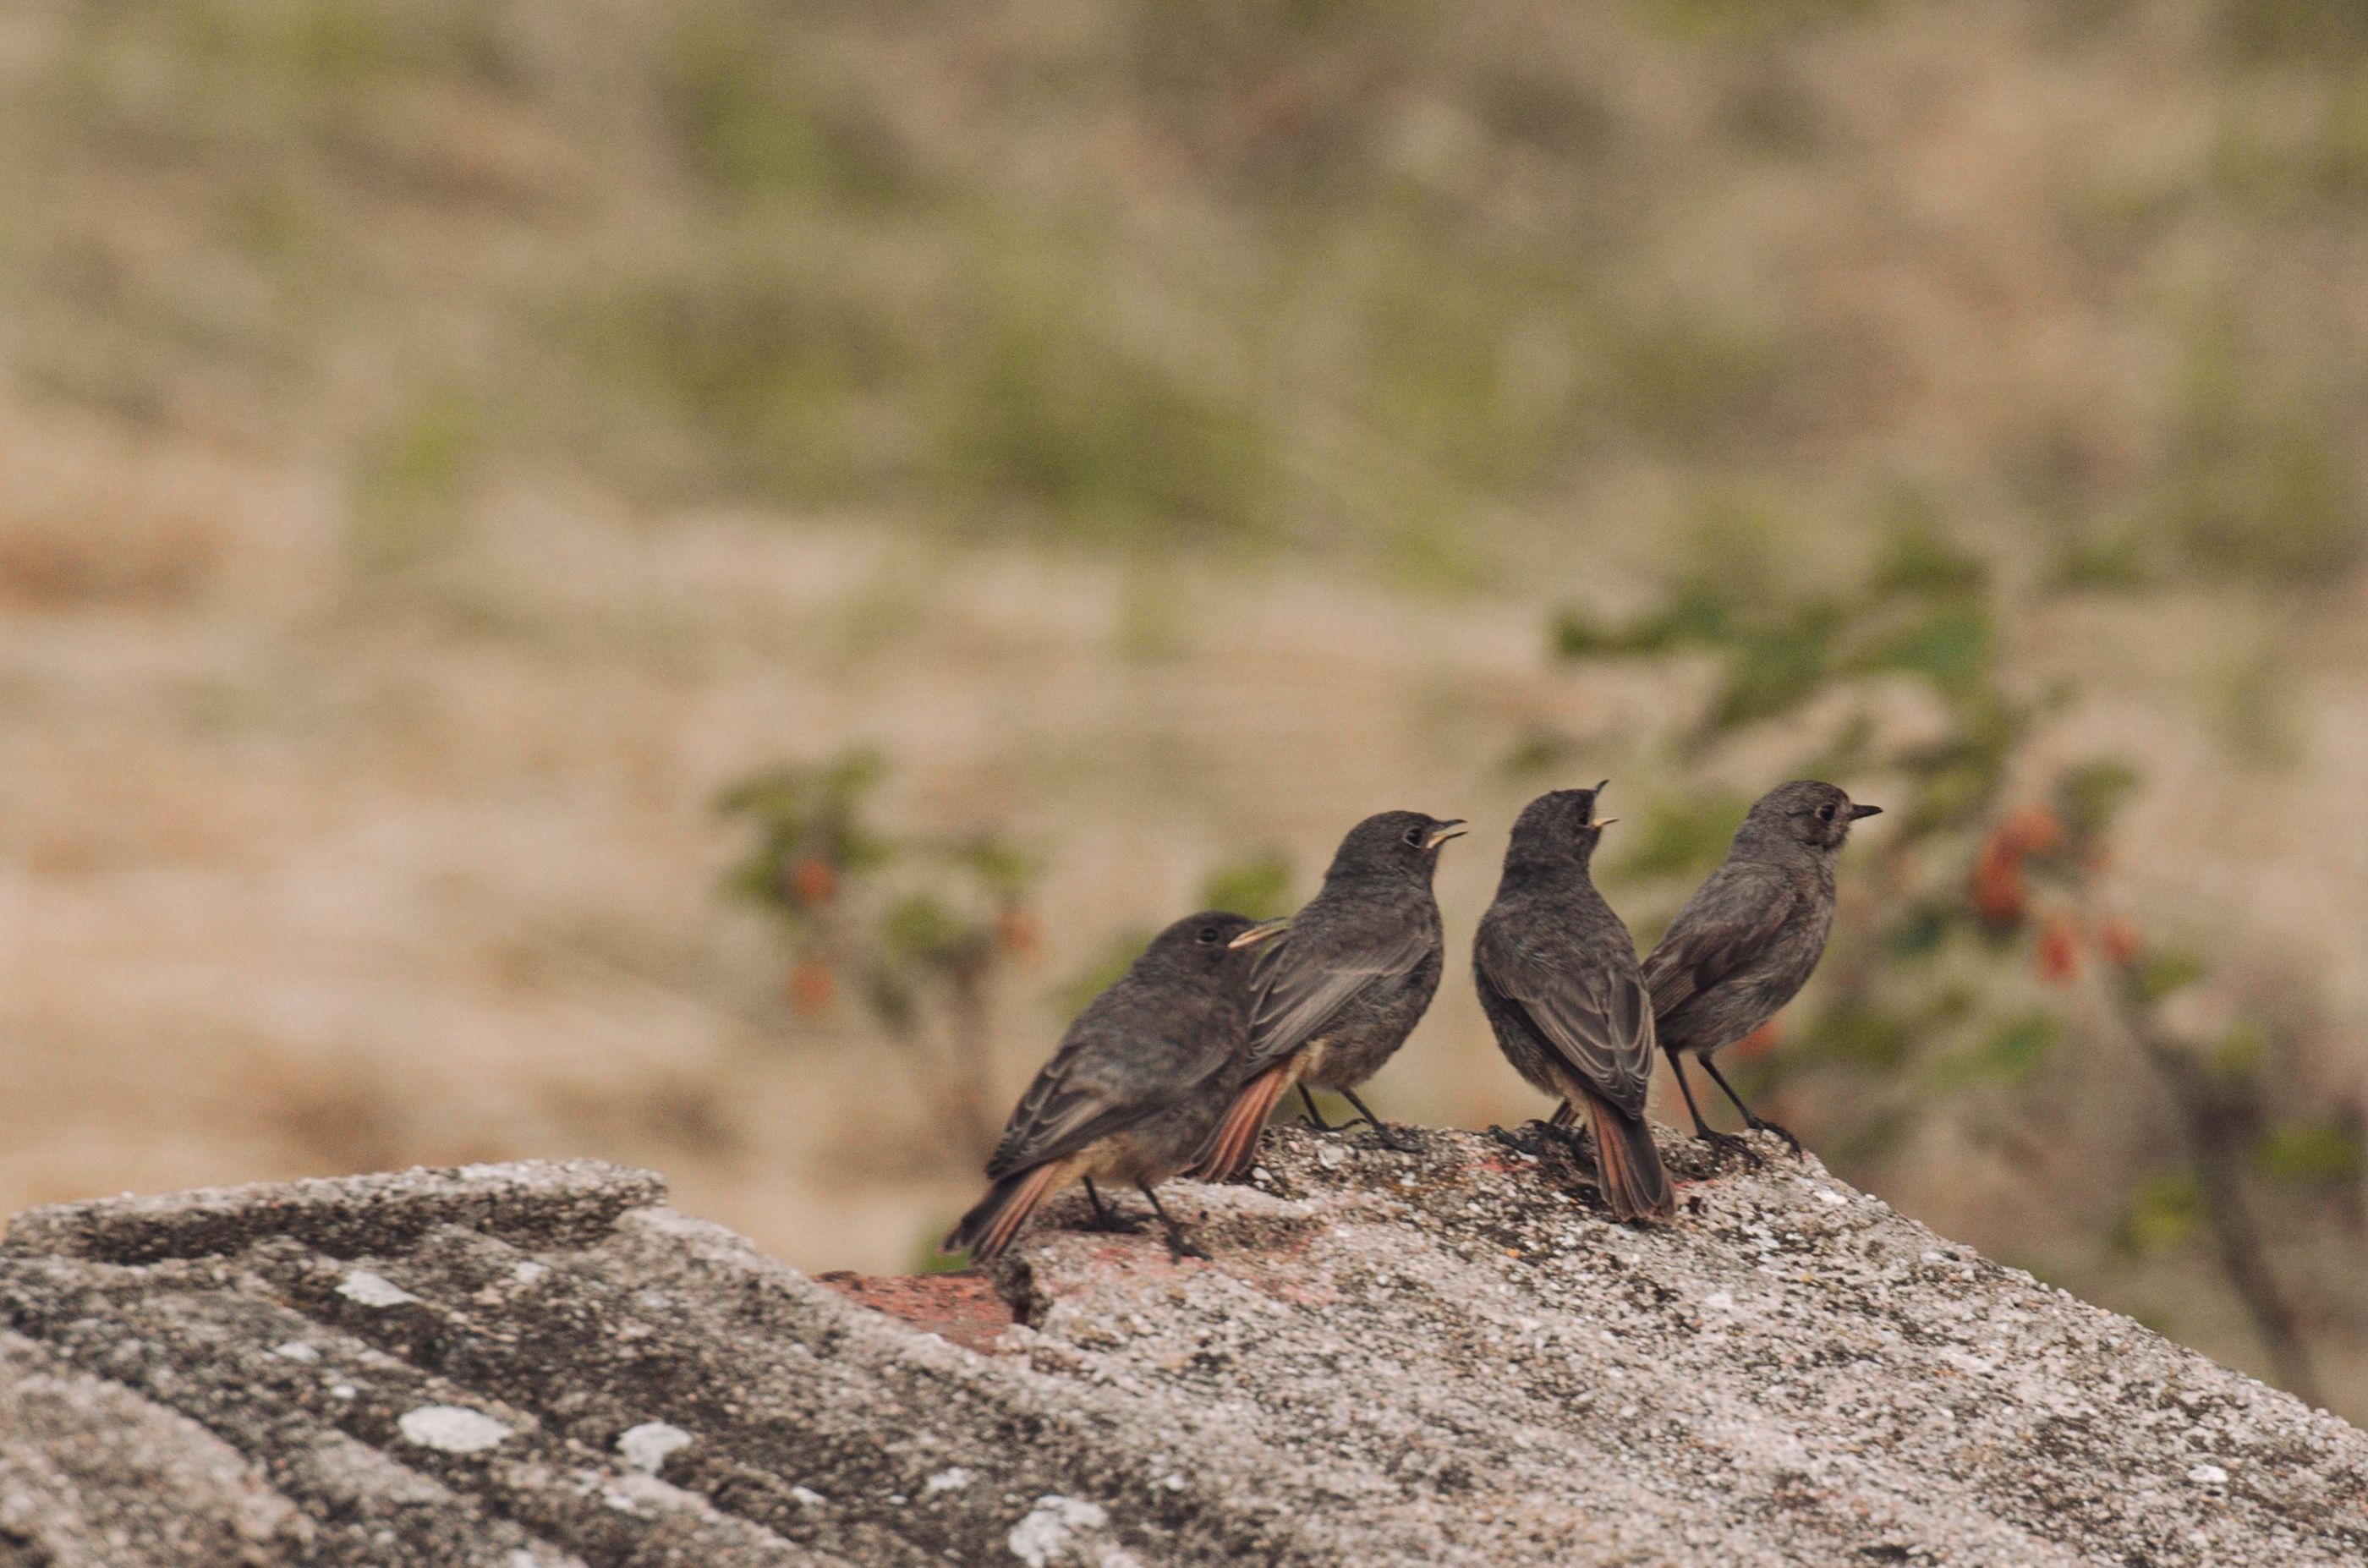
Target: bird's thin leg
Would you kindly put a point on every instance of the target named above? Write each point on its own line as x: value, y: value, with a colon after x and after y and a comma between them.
x: 1382, y: 1130
x: 1757, y: 1124
x: 1179, y: 1245
x: 1702, y: 1130
x: 1315, y: 1118
x: 1104, y: 1218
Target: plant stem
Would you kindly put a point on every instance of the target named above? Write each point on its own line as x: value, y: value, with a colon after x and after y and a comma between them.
x: 2213, y: 1159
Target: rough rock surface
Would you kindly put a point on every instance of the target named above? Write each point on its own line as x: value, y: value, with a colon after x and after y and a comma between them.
x: 1448, y: 1356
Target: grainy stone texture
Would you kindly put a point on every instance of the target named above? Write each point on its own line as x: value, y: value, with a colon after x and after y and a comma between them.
x: 1448, y: 1356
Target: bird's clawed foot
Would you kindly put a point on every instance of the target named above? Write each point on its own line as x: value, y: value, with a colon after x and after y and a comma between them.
x: 1758, y: 1125
x: 1392, y: 1139
x: 1728, y: 1143
x: 1513, y: 1141
x: 1179, y: 1244
x: 1563, y: 1133
x: 1182, y: 1246
x: 1109, y: 1222
x: 1106, y: 1219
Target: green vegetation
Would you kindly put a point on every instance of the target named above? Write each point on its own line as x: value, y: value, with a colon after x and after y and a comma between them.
x: 926, y: 929
x: 1322, y: 277
x: 1953, y: 989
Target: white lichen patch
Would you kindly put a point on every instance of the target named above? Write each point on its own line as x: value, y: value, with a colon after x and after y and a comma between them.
x: 646, y: 1446
x: 950, y: 1480
x: 452, y: 1429
x: 295, y: 1350
x: 373, y: 1289
x: 1047, y: 1535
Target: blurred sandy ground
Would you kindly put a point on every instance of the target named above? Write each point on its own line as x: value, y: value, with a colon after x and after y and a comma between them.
x: 299, y: 883
x: 366, y: 678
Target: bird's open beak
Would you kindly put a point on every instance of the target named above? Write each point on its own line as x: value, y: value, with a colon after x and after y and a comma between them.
x: 1857, y: 811
x: 1453, y: 828
x: 1259, y: 933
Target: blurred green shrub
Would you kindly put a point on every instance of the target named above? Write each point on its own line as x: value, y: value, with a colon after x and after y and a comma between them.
x: 925, y: 928
x: 411, y: 485
x: 1981, y: 901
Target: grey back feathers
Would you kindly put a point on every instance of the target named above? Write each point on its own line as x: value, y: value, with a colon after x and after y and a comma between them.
x: 1555, y: 968
x: 1750, y: 936
x: 1170, y: 1029
x: 1365, y: 952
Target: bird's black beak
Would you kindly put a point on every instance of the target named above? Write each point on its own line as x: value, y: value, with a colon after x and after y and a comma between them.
x: 1259, y: 933
x: 1857, y: 811
x: 1452, y: 828
x: 1600, y: 824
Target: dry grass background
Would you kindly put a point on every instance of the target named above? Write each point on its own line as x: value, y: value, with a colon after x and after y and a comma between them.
x: 441, y: 445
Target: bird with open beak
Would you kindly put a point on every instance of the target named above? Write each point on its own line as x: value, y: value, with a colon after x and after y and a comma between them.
x: 1558, y: 978
x: 1136, y: 1086
x: 1342, y: 982
x: 1747, y: 939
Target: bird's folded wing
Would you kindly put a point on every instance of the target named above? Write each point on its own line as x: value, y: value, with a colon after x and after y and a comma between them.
x: 1097, y: 1086
x: 1595, y: 1015
x: 1305, y: 978
x: 1728, y: 920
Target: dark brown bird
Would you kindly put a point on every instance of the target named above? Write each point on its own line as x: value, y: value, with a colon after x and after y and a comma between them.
x: 1342, y: 982
x: 1134, y: 1090
x: 1747, y: 939
x: 1558, y: 979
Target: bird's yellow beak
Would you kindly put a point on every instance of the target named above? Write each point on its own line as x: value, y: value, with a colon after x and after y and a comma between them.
x: 1452, y: 828
x: 1259, y: 933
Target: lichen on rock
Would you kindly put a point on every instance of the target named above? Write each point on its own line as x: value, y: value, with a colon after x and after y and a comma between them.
x: 1448, y: 1355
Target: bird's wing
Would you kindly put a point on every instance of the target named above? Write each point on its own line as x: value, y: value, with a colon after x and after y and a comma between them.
x: 1729, y: 918
x: 1099, y: 1083
x: 1594, y: 1014
x: 1303, y: 978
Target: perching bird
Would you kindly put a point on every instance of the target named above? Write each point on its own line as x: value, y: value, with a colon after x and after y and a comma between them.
x: 1344, y: 980
x: 1133, y: 1093
x: 1558, y: 979
x: 1746, y: 940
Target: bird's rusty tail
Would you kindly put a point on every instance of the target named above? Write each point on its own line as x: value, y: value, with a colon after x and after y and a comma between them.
x: 988, y: 1228
x: 1634, y: 1181
x: 1229, y: 1148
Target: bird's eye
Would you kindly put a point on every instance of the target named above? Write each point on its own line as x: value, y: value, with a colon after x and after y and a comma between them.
x: 1826, y: 811
x: 1208, y: 935
x: 1414, y: 836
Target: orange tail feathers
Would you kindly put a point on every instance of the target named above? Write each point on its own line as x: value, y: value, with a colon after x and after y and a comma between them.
x: 1229, y: 1149
x: 988, y: 1228
x: 1634, y: 1181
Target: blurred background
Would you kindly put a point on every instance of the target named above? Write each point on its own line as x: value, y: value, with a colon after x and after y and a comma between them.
x: 681, y: 582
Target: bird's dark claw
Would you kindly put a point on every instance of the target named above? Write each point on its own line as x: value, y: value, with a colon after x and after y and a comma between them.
x: 1111, y: 1222
x: 1392, y: 1139
x: 1758, y: 1125
x: 1563, y: 1133
x: 1180, y: 1246
x: 1728, y: 1143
